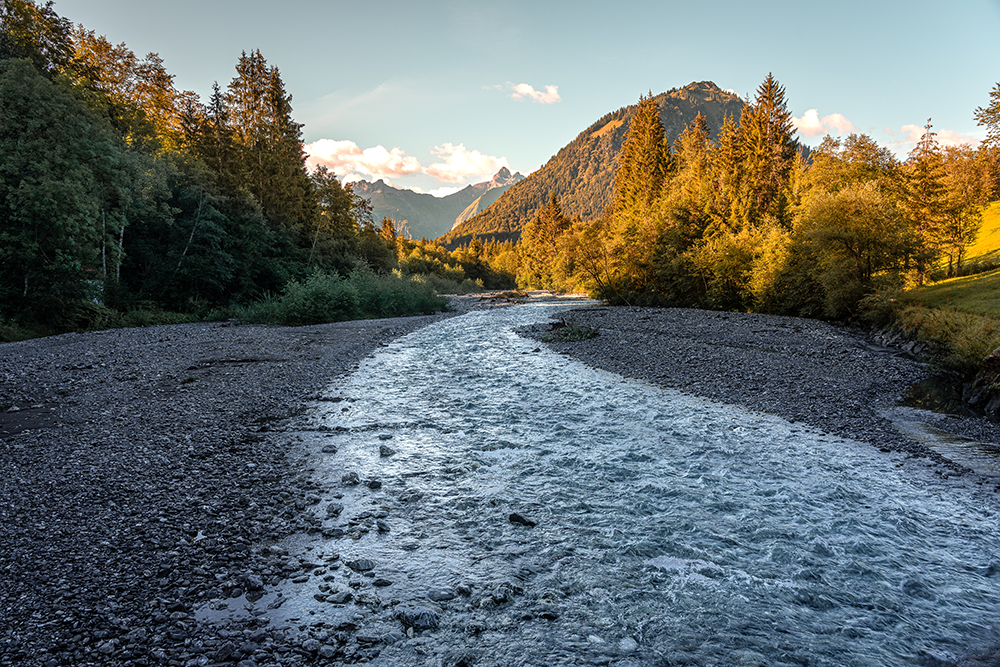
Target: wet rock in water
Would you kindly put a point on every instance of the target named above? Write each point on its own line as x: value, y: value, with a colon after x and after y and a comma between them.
x: 381, y: 583
x: 385, y: 450
x: 253, y: 582
x: 441, y: 594
x: 418, y: 618
x: 361, y: 565
x: 351, y: 479
x: 505, y: 592
x: 385, y: 436
x: 464, y: 589
x: 340, y: 597
x: 374, y: 484
x: 628, y: 645
x: 334, y: 509
x: 518, y: 519
x: 329, y: 449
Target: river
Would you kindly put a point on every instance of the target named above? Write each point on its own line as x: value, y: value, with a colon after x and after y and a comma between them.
x: 669, y: 530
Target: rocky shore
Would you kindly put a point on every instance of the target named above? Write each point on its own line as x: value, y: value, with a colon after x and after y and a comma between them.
x: 139, y: 480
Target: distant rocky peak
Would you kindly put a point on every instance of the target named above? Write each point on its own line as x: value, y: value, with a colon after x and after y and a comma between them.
x: 504, y: 177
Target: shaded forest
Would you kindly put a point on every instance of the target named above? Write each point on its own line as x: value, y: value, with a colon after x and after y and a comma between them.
x: 120, y: 194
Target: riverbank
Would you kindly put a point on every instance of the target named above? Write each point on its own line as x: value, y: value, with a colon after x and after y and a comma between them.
x: 139, y: 478
x: 807, y: 371
x: 137, y: 481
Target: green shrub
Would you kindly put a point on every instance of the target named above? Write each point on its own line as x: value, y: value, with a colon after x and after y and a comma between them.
x: 568, y: 332
x: 325, y: 297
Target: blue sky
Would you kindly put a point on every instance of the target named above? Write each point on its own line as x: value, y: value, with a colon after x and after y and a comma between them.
x: 435, y: 95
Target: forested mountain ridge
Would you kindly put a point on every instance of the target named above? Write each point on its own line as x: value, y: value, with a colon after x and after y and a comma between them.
x: 423, y: 215
x: 581, y: 174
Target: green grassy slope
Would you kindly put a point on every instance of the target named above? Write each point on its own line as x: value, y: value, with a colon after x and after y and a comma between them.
x: 979, y: 293
x: 987, y: 246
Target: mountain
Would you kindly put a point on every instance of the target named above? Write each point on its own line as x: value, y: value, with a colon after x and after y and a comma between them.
x: 429, y: 216
x: 581, y: 174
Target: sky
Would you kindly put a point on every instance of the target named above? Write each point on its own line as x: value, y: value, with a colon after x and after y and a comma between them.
x: 434, y: 95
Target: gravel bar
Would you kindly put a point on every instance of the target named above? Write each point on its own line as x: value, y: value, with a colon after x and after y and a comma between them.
x: 137, y: 481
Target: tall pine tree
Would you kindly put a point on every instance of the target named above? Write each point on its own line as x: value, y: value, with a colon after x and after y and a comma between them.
x: 768, y: 154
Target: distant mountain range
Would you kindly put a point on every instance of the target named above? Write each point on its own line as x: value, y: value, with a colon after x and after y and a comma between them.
x: 427, y: 216
x: 581, y: 174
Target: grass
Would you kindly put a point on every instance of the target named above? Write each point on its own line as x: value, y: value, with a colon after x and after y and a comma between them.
x: 979, y: 294
x: 960, y: 339
x: 987, y: 246
x: 960, y: 317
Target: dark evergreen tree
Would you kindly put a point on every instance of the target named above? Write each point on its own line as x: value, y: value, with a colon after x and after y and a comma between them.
x: 644, y: 161
x: 539, y: 247
x: 925, y: 200
x: 989, y: 117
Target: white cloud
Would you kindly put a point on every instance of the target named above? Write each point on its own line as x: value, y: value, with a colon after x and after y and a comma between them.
x: 347, y: 160
x: 459, y: 164
x: 443, y: 191
x: 903, y: 141
x: 523, y: 90
x: 950, y: 138
x: 811, y: 125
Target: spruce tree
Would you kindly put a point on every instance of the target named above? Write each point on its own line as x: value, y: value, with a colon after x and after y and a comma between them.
x: 925, y: 200
x: 989, y: 117
x: 768, y: 155
x: 644, y: 161
x: 727, y: 160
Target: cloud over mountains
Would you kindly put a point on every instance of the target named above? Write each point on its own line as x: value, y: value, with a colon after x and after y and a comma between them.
x: 524, y: 91
x: 456, y: 163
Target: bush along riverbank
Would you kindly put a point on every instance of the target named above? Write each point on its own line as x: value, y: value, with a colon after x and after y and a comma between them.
x: 962, y: 351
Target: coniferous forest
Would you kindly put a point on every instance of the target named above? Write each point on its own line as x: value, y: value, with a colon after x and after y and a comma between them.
x: 752, y: 221
x: 124, y: 200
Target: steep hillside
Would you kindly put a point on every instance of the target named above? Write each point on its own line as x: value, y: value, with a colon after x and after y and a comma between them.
x: 425, y: 215
x: 480, y: 205
x: 582, y: 173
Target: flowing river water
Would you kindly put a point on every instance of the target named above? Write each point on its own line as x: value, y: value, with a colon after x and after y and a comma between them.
x: 670, y: 530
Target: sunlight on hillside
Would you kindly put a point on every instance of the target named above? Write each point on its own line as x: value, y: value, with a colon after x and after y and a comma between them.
x: 610, y: 127
x: 988, y: 243
x: 978, y: 293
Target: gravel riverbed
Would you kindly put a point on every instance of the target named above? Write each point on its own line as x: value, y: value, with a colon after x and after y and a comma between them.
x: 139, y: 480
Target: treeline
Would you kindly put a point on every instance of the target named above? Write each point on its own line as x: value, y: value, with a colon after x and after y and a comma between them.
x: 119, y: 192
x: 748, y: 222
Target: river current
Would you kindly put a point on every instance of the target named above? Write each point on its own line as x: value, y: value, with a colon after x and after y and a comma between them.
x: 670, y: 530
